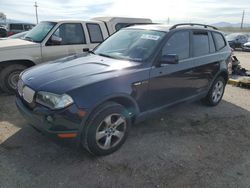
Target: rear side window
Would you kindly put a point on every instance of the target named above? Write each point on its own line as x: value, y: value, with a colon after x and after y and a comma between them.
x: 16, y: 26
x: 200, y: 43
x: 95, y: 33
x: 211, y: 43
x: 178, y: 44
x: 219, y: 41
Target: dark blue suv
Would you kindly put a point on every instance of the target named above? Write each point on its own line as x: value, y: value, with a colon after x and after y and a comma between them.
x: 138, y: 71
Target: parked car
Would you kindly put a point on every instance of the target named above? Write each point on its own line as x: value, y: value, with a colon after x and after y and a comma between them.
x: 236, y: 40
x: 51, y: 40
x: 136, y: 72
x: 3, y: 32
x: 14, y: 28
x: 16, y: 36
x: 246, y: 46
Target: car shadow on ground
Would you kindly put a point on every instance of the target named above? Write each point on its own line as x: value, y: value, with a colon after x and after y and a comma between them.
x: 187, y: 145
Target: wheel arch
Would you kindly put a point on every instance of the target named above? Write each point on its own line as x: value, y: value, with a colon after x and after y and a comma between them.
x: 123, y: 99
x: 224, y: 74
x: 25, y: 62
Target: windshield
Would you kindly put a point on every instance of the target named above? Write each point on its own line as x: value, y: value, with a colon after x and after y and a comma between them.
x: 131, y: 44
x: 39, y: 32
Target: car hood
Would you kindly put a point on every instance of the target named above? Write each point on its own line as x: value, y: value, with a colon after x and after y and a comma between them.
x: 15, y: 43
x: 72, y: 72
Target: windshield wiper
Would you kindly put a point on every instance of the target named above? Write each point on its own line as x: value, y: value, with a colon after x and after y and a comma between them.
x: 105, y: 55
x: 91, y: 52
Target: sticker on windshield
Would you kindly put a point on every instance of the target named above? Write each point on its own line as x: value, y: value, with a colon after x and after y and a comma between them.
x: 150, y: 37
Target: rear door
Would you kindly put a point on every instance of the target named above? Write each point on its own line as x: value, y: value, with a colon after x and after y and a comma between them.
x: 67, y: 39
x: 206, y: 57
x: 173, y: 82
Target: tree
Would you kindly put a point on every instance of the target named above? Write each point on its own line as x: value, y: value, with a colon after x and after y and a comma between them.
x: 2, y: 16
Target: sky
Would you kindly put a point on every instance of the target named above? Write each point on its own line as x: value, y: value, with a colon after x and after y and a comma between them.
x: 203, y: 11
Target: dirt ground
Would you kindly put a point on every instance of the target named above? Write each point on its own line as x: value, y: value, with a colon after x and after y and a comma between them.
x: 190, y: 145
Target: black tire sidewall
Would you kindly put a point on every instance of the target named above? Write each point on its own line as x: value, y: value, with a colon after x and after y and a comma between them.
x: 103, y: 111
x: 4, y: 76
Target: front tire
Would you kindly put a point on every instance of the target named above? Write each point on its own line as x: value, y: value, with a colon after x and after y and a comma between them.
x: 107, y: 129
x: 9, y: 77
x: 216, y: 92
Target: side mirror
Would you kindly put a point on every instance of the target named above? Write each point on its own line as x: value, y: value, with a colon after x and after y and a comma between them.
x: 55, y: 40
x: 169, y: 59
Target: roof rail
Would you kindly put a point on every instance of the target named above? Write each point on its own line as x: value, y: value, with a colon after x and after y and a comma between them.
x: 193, y: 24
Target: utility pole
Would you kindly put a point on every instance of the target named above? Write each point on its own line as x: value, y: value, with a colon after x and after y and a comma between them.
x: 36, y: 12
x: 242, y: 20
x: 168, y: 20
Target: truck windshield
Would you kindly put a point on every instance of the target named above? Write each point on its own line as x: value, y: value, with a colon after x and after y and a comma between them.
x: 39, y: 32
x: 131, y: 44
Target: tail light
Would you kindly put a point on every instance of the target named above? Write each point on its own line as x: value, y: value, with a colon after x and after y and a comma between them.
x: 10, y: 33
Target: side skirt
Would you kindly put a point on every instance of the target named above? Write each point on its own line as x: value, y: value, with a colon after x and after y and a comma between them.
x: 144, y: 115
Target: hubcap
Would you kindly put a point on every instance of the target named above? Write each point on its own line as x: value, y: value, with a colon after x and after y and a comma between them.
x: 13, y: 79
x: 217, y: 91
x: 111, y: 131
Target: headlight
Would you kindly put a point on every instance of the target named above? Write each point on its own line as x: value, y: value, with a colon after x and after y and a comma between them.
x: 52, y: 100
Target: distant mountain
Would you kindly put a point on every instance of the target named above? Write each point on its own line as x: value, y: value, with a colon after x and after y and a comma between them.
x: 227, y: 24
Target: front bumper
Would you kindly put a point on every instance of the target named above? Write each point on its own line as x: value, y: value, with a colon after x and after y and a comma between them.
x: 52, y: 123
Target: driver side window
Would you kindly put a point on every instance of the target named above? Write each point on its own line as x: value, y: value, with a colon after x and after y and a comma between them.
x: 67, y: 34
x: 177, y: 44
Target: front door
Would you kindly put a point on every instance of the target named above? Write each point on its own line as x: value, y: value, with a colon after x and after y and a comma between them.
x: 173, y: 82
x: 68, y: 39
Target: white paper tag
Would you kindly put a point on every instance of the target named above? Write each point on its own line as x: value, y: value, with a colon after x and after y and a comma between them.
x: 150, y: 37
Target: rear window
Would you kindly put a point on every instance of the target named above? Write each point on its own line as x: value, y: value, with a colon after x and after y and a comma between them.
x: 200, y: 43
x: 219, y: 41
x: 95, y: 33
x: 16, y: 26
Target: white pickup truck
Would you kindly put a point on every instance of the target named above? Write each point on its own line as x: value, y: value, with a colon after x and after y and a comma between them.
x: 51, y: 40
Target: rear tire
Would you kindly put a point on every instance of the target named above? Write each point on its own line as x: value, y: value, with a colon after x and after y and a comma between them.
x: 216, y: 92
x: 106, y: 129
x: 9, y: 76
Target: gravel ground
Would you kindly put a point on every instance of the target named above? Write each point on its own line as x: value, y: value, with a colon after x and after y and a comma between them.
x: 189, y: 145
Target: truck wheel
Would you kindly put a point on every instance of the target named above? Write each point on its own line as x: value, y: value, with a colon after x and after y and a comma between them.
x: 106, y: 130
x: 9, y: 77
x: 216, y: 92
